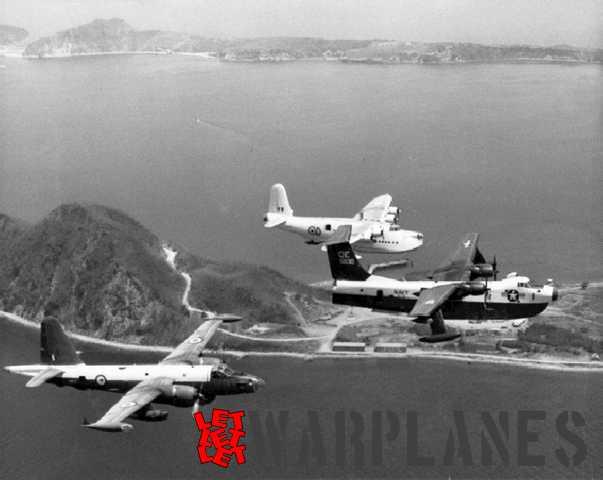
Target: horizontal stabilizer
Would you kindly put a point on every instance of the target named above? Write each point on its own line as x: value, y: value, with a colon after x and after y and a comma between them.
x: 274, y: 222
x: 227, y: 317
x: 41, y: 377
x: 395, y: 264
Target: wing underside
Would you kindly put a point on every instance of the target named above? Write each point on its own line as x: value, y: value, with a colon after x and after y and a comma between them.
x: 135, y: 399
x: 431, y: 299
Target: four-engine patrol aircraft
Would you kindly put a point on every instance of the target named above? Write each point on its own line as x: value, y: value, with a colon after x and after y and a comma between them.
x: 374, y: 229
x: 457, y: 289
x: 182, y: 379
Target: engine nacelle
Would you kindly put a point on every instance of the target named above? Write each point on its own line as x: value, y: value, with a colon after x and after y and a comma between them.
x: 183, y: 395
x: 472, y: 288
x: 206, y: 399
x: 482, y: 270
x: 150, y: 415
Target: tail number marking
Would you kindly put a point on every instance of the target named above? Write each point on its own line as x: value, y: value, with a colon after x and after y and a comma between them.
x: 344, y: 258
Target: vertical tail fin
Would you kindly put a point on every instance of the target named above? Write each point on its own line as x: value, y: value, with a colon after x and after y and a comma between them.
x: 279, y: 203
x: 343, y: 261
x: 55, y: 347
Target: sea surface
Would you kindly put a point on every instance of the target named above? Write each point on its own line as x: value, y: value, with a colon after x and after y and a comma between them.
x: 343, y: 418
x: 190, y: 149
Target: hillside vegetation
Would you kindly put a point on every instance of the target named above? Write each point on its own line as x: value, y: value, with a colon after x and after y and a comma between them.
x: 105, y: 274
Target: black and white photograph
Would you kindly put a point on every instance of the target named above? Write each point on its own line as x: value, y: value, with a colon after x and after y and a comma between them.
x: 301, y: 239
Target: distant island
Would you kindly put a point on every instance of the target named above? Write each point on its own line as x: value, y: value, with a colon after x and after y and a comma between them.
x: 12, y: 40
x: 115, y: 36
x: 10, y: 34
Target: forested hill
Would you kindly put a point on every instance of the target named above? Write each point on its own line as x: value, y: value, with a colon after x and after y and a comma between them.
x: 107, y: 275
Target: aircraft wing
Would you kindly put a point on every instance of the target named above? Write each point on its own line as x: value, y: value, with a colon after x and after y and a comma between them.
x: 376, y: 209
x: 136, y: 398
x: 361, y: 232
x: 190, y: 350
x: 344, y: 234
x: 431, y: 299
x: 44, y: 375
x: 454, y: 268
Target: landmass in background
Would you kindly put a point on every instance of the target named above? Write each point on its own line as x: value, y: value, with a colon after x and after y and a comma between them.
x: 112, y: 36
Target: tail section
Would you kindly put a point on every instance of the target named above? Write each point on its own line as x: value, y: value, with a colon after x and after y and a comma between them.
x: 343, y: 261
x: 279, y: 203
x: 55, y: 347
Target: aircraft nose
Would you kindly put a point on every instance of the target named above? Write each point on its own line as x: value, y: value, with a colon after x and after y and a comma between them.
x: 419, y: 236
x: 258, y: 383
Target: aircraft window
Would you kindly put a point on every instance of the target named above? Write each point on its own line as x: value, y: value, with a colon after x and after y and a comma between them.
x: 222, y: 371
x: 328, y: 227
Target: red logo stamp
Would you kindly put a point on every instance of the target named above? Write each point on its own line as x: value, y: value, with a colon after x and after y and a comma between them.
x: 219, y: 438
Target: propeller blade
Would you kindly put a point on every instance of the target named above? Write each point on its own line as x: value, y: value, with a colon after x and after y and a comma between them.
x: 494, y: 267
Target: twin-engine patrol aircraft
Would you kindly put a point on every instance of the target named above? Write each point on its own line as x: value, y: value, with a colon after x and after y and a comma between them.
x: 457, y: 289
x: 374, y: 229
x: 182, y: 379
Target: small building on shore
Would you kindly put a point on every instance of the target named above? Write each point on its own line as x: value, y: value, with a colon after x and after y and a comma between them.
x: 386, y: 347
x: 349, y: 347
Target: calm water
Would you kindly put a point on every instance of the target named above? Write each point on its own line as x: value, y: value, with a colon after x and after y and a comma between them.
x: 190, y: 149
x: 40, y: 436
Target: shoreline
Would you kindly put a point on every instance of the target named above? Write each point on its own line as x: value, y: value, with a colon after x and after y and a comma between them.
x: 343, y: 61
x: 555, y: 365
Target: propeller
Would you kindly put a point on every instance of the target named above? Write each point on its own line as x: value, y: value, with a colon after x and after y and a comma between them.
x: 487, y: 290
x: 494, y: 267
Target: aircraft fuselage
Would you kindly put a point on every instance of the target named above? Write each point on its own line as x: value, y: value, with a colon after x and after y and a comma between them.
x: 509, y: 298
x: 121, y: 378
x: 387, y: 238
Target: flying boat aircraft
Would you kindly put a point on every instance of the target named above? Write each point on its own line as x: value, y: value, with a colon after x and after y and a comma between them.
x: 374, y: 229
x: 183, y: 379
x: 457, y: 289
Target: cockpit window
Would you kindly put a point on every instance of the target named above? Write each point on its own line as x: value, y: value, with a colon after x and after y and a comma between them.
x: 221, y: 371
x: 524, y: 284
